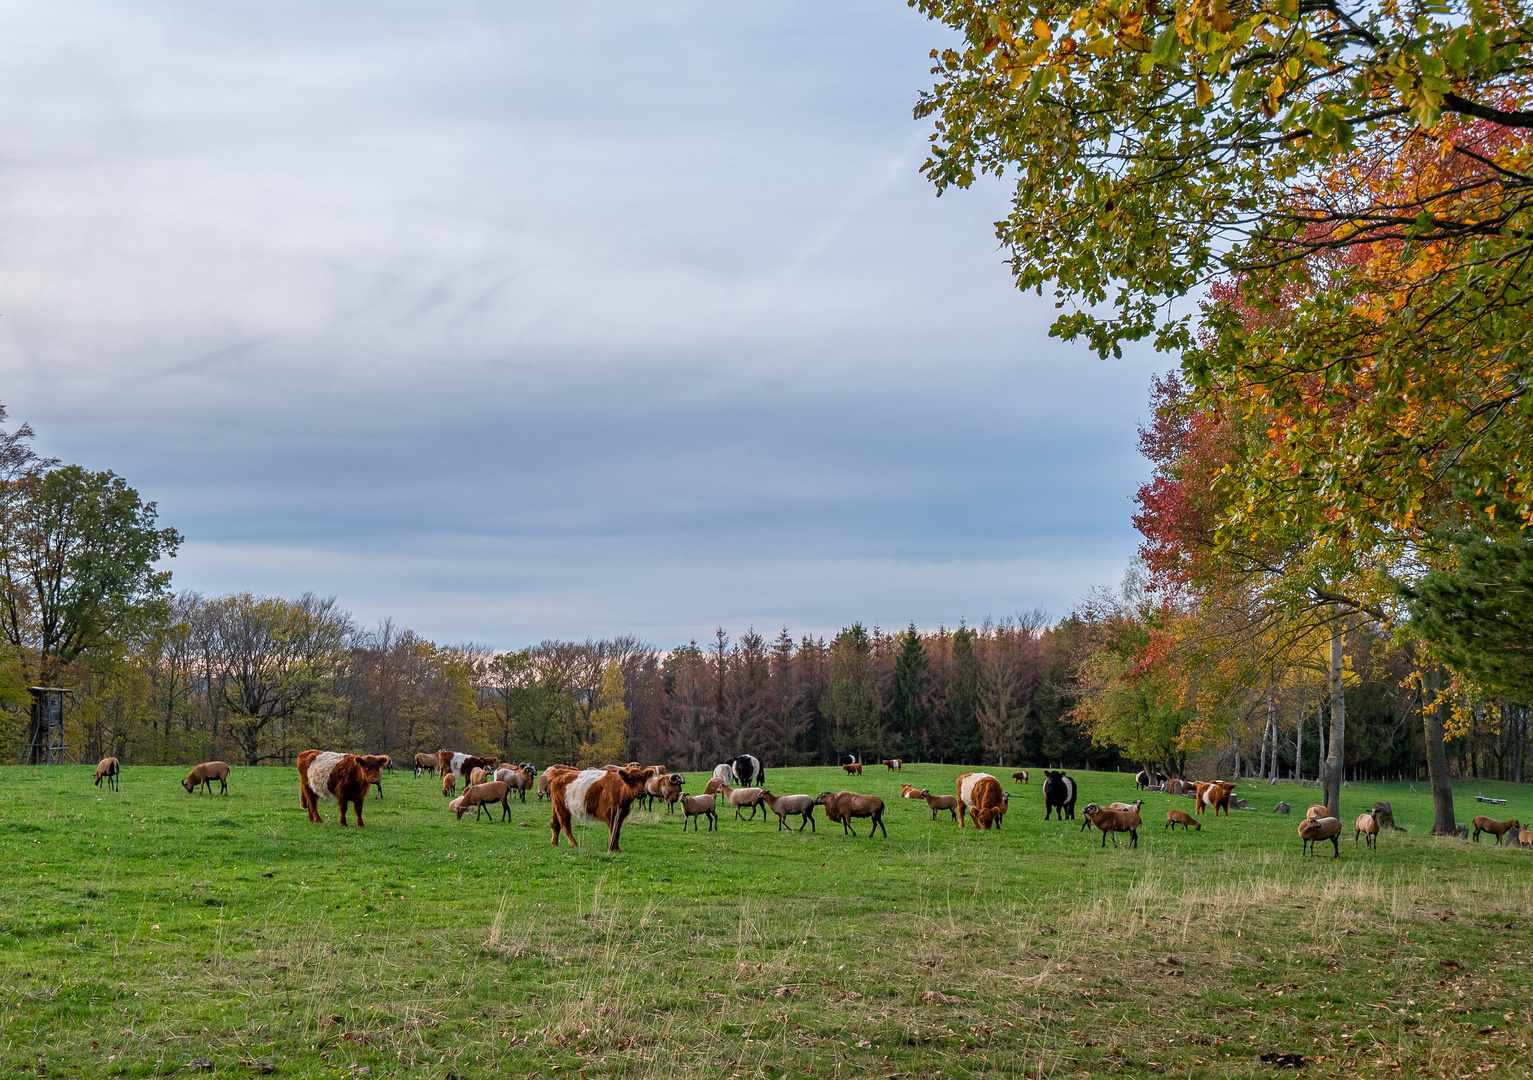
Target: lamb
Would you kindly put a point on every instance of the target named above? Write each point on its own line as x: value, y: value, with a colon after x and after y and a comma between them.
x: 1316, y: 830
x: 108, y: 770
x: 1369, y: 827
x: 482, y: 796
x: 204, y: 775
x: 1498, y: 829
x: 783, y: 805
x: 940, y: 802
x: 740, y: 798
x: 1112, y: 822
x: 1185, y: 820
x: 449, y: 785
x: 842, y: 806
x: 699, y: 806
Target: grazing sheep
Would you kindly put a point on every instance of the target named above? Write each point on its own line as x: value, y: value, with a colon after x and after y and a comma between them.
x: 1498, y: 829
x: 1185, y: 820
x: 1367, y: 826
x: 1058, y: 794
x: 483, y: 796
x: 1112, y: 822
x: 546, y: 778
x: 1314, y: 813
x: 204, y: 775
x: 1317, y: 830
x: 449, y: 785
x: 108, y: 770
x: 842, y: 806
x: 1020, y: 776
x: 940, y: 802
x: 740, y: 798
x: 783, y: 805
x: 699, y: 806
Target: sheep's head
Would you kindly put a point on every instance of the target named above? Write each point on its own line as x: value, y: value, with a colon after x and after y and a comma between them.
x: 824, y: 797
x: 188, y: 785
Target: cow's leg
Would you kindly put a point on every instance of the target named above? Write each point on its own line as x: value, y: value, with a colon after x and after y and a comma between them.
x: 358, y: 805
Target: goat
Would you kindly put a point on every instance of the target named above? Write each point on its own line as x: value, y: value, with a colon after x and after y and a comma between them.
x: 842, y: 806
x: 1369, y: 827
x: 1020, y: 776
x: 699, y: 806
x: 783, y: 805
x: 893, y: 764
x: 1316, y: 830
x: 1112, y: 822
x: 740, y: 798
x: 1498, y: 829
x: 204, y: 775
x: 1185, y: 820
x: 940, y: 802
x: 483, y: 796
x: 108, y: 770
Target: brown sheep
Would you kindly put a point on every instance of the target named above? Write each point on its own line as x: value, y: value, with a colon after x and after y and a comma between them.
x: 1317, y: 830
x: 1525, y: 836
x: 1498, y: 829
x: 204, y: 775
x: 516, y: 777
x: 740, y: 798
x: 108, y: 770
x: 476, y: 776
x: 1367, y: 826
x: 545, y: 779
x: 699, y: 806
x: 783, y: 805
x: 483, y: 796
x: 714, y: 785
x: 842, y: 806
x: 424, y: 763
x: 449, y: 785
x: 940, y: 802
x: 1186, y: 821
x: 665, y: 788
x: 1316, y: 812
x: 1112, y: 822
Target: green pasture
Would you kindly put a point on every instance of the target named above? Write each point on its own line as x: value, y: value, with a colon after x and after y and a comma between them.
x: 151, y: 932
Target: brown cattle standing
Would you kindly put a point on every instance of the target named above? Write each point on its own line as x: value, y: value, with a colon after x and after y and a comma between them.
x: 854, y: 769
x: 325, y: 774
x: 893, y: 764
x: 107, y: 771
x: 204, y: 775
x: 591, y: 796
x: 1216, y: 794
x: 979, y: 794
x: 1020, y: 776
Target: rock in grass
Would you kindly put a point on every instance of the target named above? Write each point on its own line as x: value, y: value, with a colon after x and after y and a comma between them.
x: 1282, y: 808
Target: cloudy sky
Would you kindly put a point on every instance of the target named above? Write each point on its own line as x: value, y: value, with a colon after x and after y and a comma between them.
x: 520, y: 320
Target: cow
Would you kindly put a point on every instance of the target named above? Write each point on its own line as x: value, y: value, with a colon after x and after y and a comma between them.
x: 204, y: 775
x: 892, y: 764
x: 1020, y: 776
x: 1214, y: 793
x: 848, y: 759
x: 591, y: 796
x: 459, y: 766
x: 748, y: 771
x: 979, y: 795
x: 1058, y: 794
x: 108, y: 770
x: 384, y: 762
x: 325, y: 774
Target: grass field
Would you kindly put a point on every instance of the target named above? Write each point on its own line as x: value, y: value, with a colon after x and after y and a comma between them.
x: 145, y: 930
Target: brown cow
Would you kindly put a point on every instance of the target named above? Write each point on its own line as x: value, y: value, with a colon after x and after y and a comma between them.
x: 854, y: 769
x: 460, y: 765
x: 980, y: 795
x: 591, y: 796
x: 1215, y: 793
x: 325, y: 774
x: 107, y: 771
x: 1020, y: 776
x: 375, y: 775
x: 204, y: 775
x: 892, y: 764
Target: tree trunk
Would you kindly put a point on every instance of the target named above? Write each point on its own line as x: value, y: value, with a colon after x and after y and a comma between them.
x: 1335, y: 758
x: 1435, y: 720
x: 1298, y: 747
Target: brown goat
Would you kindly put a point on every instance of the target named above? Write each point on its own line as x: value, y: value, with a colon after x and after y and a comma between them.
x: 842, y: 806
x: 1186, y: 821
x: 204, y: 775
x: 108, y: 770
x: 1112, y: 822
x: 1317, y: 830
x: 1498, y: 829
x: 699, y: 806
x: 1367, y: 825
x: 940, y: 802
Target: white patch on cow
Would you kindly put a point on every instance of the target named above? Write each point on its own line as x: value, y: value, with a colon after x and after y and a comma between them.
x: 575, y: 795
x: 1069, y: 791
x: 966, y: 789
x: 319, y: 772
x: 456, y: 767
x: 1208, y: 796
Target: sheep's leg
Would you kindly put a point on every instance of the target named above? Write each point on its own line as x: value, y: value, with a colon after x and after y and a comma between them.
x: 1337, y: 846
x: 879, y: 821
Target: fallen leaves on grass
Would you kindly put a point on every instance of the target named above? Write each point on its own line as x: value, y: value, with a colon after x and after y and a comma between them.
x: 937, y: 997
x: 1285, y: 1061
x: 199, y: 1064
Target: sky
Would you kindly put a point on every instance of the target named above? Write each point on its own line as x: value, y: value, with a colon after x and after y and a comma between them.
x: 515, y: 321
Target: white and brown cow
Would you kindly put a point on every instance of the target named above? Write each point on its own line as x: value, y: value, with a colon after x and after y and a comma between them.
x: 325, y: 774
x: 459, y: 765
x: 979, y: 795
x: 591, y: 796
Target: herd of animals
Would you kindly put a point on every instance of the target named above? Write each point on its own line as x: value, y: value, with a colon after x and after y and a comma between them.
x: 608, y: 794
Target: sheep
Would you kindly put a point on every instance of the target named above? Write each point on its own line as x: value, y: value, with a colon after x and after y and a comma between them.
x: 698, y: 806
x: 783, y: 805
x: 424, y: 763
x: 1122, y: 805
x: 713, y: 786
x: 483, y: 796
x: 1090, y: 808
x: 516, y: 777
x: 940, y: 802
x: 1315, y: 830
x: 545, y: 779
x: 740, y: 798
x: 1185, y: 820
x: 725, y: 772
x: 1498, y: 829
x: 1525, y: 836
x: 108, y: 770
x: 476, y: 776
x: 1366, y: 826
x: 842, y: 806
x: 204, y: 775
x: 449, y: 785
x: 665, y: 788
x: 1112, y: 822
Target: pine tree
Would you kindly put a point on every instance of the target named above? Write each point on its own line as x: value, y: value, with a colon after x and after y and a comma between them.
x: 963, y: 721
x: 911, y: 708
